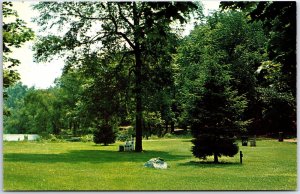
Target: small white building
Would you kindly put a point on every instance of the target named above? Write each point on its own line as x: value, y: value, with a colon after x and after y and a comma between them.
x: 20, y: 137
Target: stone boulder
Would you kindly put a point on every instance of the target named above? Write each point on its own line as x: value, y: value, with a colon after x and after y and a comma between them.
x: 157, y: 163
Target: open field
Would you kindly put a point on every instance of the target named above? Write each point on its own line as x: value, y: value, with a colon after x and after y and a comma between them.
x: 271, y: 165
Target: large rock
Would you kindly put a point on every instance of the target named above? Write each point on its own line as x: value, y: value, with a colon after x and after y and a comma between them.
x: 157, y: 163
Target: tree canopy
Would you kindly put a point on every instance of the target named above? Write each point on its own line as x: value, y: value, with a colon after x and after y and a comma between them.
x: 136, y: 29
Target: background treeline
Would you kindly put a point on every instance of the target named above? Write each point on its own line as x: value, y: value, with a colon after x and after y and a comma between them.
x: 244, y: 57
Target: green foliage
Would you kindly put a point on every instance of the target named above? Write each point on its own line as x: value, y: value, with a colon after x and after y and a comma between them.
x: 86, y: 138
x: 241, y: 45
x: 15, y: 34
x: 37, y: 106
x: 279, y: 19
x: 53, y: 138
x: 208, y: 145
x: 137, y: 29
x: 279, y: 111
x: 216, y: 79
x: 32, y: 111
x: 216, y: 116
x: 68, y: 90
x: 278, y: 72
x: 14, y: 122
x: 125, y: 134
x: 153, y: 124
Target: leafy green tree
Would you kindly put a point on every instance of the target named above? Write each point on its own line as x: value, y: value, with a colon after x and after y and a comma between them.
x: 13, y: 103
x: 241, y: 46
x: 158, y: 85
x: 15, y: 94
x: 277, y: 75
x: 15, y: 34
x: 279, y: 19
x: 68, y: 90
x: 123, y: 27
x: 278, y: 106
x: 36, y: 112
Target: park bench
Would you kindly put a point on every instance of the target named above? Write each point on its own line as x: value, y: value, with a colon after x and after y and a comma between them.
x: 128, y: 146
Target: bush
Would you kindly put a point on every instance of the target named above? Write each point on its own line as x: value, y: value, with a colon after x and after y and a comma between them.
x: 168, y: 135
x: 87, y: 138
x: 206, y: 145
x: 49, y: 137
x: 104, y: 134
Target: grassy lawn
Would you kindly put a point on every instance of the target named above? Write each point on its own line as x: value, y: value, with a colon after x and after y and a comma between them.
x: 271, y: 165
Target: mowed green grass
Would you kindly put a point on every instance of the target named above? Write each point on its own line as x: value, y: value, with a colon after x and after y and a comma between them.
x: 271, y: 165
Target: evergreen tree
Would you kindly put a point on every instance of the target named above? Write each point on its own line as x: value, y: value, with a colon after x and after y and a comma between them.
x: 104, y: 134
x: 216, y: 115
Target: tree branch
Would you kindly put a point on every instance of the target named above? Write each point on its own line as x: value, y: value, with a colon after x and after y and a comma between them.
x: 78, y: 14
x: 124, y: 18
x: 116, y: 29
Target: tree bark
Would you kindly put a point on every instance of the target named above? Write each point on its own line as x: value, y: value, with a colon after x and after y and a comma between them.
x: 138, y: 119
x: 167, y: 127
x: 216, y: 158
x: 138, y: 89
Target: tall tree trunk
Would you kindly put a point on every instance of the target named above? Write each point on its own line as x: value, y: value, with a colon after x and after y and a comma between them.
x: 138, y: 119
x: 166, y: 127
x: 138, y: 85
x: 216, y: 158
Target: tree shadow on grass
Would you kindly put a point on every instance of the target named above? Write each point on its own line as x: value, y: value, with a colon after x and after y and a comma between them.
x: 101, y: 145
x: 210, y: 164
x: 187, y: 140
x: 91, y: 156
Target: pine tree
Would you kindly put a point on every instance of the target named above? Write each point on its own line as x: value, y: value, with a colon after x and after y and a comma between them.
x: 104, y: 134
x: 216, y: 115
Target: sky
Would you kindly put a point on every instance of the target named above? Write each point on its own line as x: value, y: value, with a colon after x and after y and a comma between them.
x: 42, y: 75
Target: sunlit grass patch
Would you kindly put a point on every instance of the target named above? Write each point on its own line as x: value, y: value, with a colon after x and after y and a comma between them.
x: 83, y: 166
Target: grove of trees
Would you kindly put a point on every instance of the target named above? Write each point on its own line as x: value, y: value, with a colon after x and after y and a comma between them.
x: 126, y: 63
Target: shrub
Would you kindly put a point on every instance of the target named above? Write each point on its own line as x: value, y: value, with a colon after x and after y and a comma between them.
x: 168, y: 135
x: 53, y: 138
x: 153, y: 137
x: 87, y: 138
